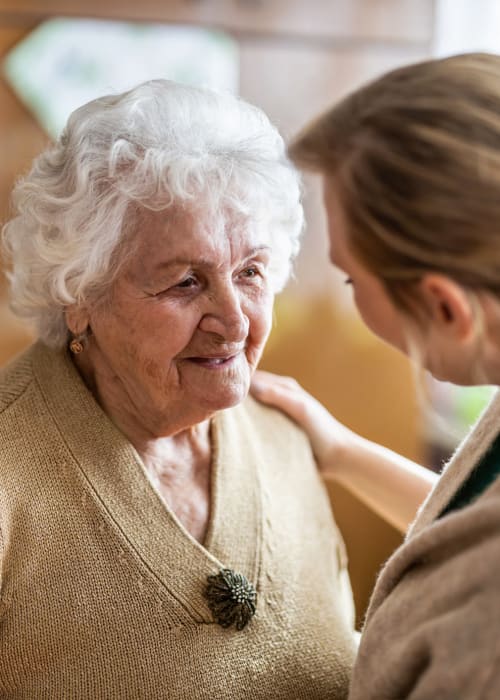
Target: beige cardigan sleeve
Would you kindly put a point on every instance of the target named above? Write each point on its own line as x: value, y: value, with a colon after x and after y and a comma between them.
x: 433, y: 628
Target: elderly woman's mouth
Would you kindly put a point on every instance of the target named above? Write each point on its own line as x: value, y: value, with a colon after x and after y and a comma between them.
x: 214, y: 362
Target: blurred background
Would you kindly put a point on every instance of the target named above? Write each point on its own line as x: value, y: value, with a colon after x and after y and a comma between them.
x: 292, y: 58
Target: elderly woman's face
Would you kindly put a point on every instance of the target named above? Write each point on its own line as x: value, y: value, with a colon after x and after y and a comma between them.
x: 188, y: 316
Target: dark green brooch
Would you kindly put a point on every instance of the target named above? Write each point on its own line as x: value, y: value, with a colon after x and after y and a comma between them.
x: 231, y: 598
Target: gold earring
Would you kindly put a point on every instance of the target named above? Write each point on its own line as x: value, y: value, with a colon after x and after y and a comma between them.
x: 76, y: 345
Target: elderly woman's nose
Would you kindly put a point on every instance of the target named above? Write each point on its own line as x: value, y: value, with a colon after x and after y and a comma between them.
x: 226, y: 317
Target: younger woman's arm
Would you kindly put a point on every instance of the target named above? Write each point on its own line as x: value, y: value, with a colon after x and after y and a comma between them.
x: 391, y: 485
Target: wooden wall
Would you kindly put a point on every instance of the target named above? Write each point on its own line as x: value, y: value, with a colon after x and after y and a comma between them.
x: 297, y: 56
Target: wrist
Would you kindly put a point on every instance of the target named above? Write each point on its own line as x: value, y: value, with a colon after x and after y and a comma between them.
x: 338, y: 459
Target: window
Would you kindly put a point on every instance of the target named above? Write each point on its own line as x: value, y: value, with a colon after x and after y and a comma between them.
x: 64, y: 63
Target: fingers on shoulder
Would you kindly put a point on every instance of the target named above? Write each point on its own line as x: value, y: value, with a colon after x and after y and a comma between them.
x: 270, y: 380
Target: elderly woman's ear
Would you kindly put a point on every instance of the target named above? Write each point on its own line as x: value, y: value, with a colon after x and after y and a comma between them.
x: 77, y: 319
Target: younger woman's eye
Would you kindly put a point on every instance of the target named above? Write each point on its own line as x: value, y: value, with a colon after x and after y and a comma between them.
x: 348, y: 280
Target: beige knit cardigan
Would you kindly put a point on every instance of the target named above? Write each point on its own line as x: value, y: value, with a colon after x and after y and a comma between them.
x: 101, y: 587
x: 433, y: 625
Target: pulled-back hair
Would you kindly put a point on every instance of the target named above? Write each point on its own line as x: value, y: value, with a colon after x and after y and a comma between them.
x: 414, y: 157
x: 157, y: 146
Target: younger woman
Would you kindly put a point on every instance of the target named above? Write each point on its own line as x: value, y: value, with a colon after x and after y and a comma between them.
x: 411, y: 174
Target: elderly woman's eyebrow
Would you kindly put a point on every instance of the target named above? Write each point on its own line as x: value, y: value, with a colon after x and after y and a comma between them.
x: 203, y: 261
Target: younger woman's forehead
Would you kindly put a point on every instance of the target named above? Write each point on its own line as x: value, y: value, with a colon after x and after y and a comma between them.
x: 336, y: 224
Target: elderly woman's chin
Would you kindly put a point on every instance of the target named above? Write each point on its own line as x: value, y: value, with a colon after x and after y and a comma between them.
x: 214, y: 385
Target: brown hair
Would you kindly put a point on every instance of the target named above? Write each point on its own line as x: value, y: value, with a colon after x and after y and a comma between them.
x: 415, y: 157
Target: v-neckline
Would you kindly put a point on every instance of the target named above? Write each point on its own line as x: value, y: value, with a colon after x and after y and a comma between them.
x: 116, y: 478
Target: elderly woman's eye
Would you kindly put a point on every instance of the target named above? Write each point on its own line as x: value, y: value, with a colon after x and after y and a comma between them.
x: 252, y: 271
x: 186, y: 283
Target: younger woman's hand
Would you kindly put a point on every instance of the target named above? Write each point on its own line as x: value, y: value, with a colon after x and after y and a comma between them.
x: 328, y: 437
x: 391, y: 485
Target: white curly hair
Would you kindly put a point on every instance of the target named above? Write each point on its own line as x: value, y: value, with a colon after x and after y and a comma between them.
x: 155, y: 146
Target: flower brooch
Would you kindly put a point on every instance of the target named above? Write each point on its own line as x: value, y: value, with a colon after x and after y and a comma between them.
x: 231, y: 598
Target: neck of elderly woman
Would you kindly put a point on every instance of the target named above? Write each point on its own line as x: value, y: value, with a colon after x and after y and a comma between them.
x: 177, y: 457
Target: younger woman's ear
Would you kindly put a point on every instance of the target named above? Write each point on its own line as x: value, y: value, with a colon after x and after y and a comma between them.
x: 448, y: 306
x: 77, y: 319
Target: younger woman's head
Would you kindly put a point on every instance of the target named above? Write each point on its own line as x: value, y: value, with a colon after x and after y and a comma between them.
x: 411, y: 166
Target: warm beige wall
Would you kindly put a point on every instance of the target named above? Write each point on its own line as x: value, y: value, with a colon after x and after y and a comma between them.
x: 297, y: 56
x: 399, y: 22
x: 20, y: 140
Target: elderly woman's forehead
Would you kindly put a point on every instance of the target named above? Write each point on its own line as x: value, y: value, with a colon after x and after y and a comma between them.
x: 162, y: 239
x: 192, y: 217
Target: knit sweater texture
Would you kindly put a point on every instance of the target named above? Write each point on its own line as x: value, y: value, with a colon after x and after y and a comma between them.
x: 101, y: 587
x: 433, y: 626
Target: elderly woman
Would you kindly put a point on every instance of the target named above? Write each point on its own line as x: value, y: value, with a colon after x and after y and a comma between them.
x: 153, y: 543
